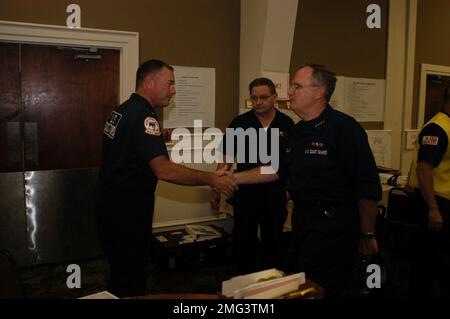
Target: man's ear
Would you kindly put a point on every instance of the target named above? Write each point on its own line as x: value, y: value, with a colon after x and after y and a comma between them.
x: 149, y: 82
x: 322, y: 91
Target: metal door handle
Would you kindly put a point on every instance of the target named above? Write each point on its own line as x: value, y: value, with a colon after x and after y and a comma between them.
x: 13, y: 136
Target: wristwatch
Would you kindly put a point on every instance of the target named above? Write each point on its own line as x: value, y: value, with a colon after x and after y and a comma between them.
x: 369, y: 235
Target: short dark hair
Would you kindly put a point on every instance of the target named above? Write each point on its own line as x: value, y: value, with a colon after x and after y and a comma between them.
x: 322, y: 76
x: 260, y: 82
x: 149, y: 67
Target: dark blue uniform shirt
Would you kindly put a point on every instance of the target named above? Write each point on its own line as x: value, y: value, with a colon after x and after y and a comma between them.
x: 131, y: 138
x: 329, y: 158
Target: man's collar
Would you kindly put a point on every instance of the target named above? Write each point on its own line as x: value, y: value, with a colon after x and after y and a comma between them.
x: 141, y: 100
x: 321, y: 115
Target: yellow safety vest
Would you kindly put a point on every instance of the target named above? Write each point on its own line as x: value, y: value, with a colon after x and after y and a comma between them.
x: 441, y: 173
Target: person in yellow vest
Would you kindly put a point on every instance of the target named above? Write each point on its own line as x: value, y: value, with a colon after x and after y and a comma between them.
x: 430, y: 177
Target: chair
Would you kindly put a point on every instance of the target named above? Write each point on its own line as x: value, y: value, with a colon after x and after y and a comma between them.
x: 403, y: 221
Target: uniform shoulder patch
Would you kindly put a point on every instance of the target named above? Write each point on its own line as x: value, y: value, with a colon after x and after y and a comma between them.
x: 430, y: 140
x: 151, y: 126
x: 111, y: 124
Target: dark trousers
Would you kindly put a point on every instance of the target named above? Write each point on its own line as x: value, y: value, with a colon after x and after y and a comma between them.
x: 325, y: 243
x: 264, y: 207
x: 430, y: 267
x: 125, y: 237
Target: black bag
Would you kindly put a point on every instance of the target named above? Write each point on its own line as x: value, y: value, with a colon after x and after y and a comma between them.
x: 406, y: 214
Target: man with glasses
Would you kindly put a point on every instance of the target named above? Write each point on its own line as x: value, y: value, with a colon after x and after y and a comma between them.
x: 264, y: 204
x: 332, y: 179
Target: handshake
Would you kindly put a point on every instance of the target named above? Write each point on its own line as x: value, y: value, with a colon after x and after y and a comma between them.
x: 227, y: 183
x: 222, y: 182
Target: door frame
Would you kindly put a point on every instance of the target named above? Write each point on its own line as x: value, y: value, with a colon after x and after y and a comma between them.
x: 126, y: 42
x: 425, y: 70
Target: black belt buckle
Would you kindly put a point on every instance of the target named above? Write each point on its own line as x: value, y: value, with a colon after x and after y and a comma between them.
x: 325, y: 208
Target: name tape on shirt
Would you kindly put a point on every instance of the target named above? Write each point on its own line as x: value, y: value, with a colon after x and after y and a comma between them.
x: 111, y: 124
x: 151, y: 126
x: 430, y: 140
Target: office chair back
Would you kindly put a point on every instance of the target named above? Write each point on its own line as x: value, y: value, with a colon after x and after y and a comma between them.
x: 403, y: 221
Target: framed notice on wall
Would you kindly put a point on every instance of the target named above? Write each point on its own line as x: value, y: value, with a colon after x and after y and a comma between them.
x: 360, y: 97
x: 195, y: 98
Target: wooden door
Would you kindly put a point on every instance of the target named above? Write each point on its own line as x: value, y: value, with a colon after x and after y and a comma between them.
x: 10, y: 108
x: 53, y: 106
x: 52, y: 111
x: 66, y: 102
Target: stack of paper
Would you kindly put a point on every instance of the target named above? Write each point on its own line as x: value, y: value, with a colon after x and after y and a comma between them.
x: 202, y: 232
x: 100, y: 295
x: 265, y: 284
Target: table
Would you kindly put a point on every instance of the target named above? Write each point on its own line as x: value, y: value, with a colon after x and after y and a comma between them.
x: 170, y: 250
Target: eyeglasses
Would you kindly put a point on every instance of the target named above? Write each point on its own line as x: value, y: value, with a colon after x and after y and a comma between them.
x: 255, y: 98
x: 297, y: 86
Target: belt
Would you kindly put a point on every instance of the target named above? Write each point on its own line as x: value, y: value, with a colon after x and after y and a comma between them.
x: 326, y: 207
x: 316, y: 202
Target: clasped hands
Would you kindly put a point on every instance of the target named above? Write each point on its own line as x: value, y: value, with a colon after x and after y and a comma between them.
x: 224, y: 183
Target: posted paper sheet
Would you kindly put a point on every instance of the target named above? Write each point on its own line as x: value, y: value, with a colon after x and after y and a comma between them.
x: 380, y: 143
x: 360, y: 98
x: 195, y: 98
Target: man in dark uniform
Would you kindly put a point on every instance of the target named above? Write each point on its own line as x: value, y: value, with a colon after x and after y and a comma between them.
x: 262, y: 205
x: 333, y: 181
x: 134, y: 157
x: 430, y: 178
